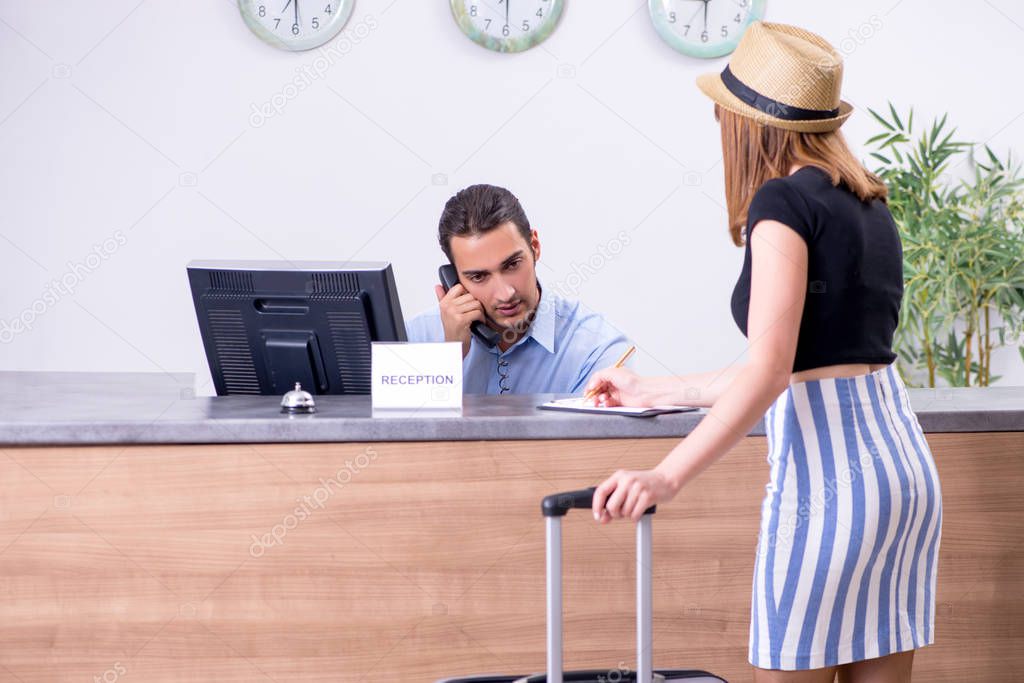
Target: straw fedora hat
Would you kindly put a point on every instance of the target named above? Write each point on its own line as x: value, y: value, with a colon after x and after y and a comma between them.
x: 782, y: 76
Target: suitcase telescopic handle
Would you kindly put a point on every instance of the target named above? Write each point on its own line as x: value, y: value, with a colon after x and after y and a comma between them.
x: 556, y: 506
x: 559, y: 504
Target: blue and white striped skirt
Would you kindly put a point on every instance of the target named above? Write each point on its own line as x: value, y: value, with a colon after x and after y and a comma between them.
x: 850, y: 527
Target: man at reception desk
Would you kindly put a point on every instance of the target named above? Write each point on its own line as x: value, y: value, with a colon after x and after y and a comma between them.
x: 517, y: 336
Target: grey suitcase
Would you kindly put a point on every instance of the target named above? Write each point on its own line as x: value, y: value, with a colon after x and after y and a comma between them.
x: 554, y: 507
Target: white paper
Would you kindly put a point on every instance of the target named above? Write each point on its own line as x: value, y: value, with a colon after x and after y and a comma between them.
x: 579, y: 402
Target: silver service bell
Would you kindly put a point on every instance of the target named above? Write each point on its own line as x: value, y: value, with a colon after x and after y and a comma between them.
x: 298, y: 401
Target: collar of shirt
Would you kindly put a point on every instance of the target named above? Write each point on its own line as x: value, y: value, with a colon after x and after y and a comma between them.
x: 542, y: 329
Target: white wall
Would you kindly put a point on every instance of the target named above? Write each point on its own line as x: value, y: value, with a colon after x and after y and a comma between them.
x: 131, y: 122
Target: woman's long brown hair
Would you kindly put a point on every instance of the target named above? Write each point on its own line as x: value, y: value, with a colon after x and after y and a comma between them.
x: 753, y: 153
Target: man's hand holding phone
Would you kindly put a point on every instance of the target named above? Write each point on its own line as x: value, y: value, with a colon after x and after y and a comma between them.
x: 459, y: 309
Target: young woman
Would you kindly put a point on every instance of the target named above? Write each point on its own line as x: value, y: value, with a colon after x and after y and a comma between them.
x: 844, y: 578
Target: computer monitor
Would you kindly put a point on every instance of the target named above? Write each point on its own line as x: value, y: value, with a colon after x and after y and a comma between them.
x: 269, y: 324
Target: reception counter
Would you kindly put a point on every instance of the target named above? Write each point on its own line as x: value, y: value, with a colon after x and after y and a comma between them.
x: 152, y: 535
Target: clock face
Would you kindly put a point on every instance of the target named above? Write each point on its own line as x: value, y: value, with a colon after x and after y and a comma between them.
x: 296, y: 24
x: 704, y: 28
x: 507, y: 25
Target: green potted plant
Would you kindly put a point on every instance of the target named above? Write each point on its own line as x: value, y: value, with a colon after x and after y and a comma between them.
x: 961, y: 220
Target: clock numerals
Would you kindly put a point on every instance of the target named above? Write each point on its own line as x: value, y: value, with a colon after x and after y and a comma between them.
x: 507, y: 25
x: 296, y: 24
x: 708, y: 28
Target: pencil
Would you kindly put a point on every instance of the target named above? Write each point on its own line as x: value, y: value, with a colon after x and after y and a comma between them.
x: 618, y: 364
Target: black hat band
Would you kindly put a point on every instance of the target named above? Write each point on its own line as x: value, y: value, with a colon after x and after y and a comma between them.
x: 774, y: 108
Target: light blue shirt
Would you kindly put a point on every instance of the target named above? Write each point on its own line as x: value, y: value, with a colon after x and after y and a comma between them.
x: 565, y: 344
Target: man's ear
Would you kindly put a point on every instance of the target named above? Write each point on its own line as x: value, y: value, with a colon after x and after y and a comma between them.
x: 535, y: 245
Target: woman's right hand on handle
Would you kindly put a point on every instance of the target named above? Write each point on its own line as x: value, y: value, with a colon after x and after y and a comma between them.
x: 619, y: 387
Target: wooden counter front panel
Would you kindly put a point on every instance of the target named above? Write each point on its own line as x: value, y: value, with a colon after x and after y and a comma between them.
x: 413, y: 561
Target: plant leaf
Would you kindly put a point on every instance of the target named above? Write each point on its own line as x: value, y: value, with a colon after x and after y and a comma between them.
x: 880, y: 119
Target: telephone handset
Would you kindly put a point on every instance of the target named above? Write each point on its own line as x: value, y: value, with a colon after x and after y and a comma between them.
x: 484, y: 334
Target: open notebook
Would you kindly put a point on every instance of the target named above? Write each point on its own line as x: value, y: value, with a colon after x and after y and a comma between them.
x: 578, y: 405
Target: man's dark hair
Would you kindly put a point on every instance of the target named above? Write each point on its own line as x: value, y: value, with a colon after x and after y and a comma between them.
x: 479, y: 209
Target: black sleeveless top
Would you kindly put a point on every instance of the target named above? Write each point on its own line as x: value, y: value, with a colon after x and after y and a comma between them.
x: 854, y: 269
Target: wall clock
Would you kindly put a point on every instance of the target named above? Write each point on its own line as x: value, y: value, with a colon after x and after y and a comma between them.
x: 507, y: 25
x: 296, y: 24
x: 703, y: 28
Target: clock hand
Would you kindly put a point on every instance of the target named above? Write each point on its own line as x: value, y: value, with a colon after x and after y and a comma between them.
x: 297, y: 12
x: 285, y: 7
x: 506, y: 11
x: 705, y: 14
x: 695, y: 14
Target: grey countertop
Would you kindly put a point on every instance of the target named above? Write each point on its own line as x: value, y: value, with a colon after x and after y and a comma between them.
x: 78, y: 408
